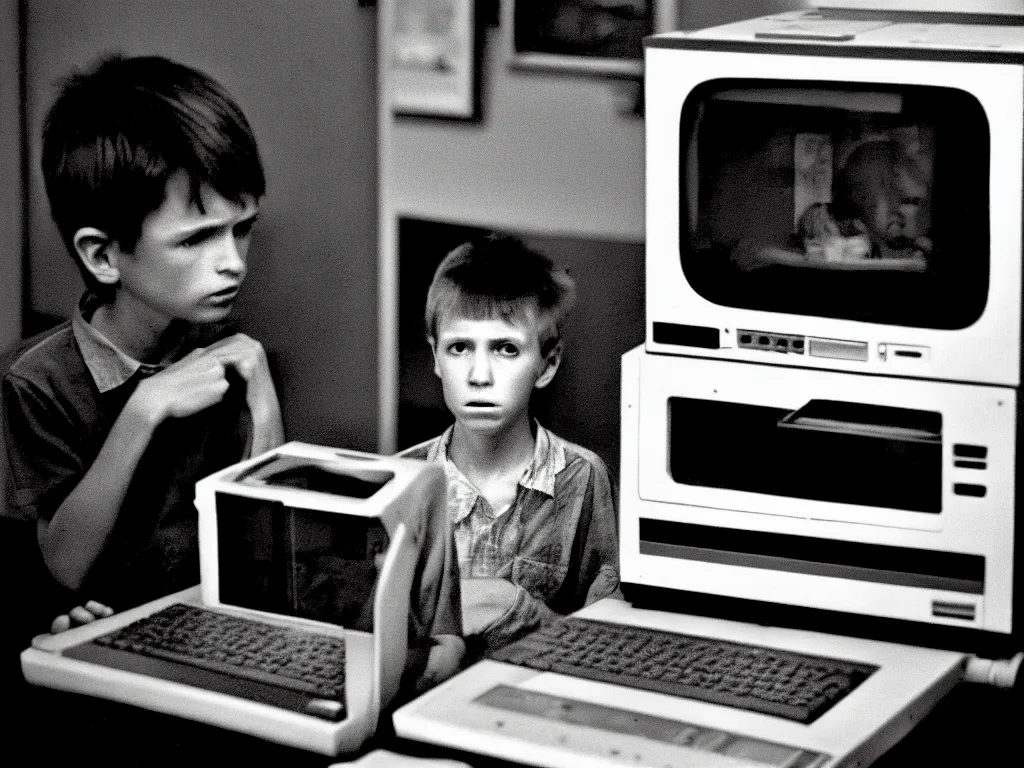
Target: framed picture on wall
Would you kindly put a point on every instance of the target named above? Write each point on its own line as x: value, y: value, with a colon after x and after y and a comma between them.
x: 603, y: 37
x: 430, y: 58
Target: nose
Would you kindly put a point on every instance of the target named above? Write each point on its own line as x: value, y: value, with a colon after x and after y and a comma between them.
x: 480, y: 370
x: 231, y: 256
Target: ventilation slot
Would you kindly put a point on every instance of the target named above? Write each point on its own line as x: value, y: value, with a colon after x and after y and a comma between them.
x: 964, y: 611
x: 969, y: 489
x: 966, y: 464
x: 970, y: 451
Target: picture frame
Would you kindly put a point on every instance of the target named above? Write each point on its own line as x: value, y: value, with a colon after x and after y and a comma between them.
x: 431, y: 58
x: 600, y: 37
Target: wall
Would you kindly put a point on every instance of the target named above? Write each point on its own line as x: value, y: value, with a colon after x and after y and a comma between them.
x: 10, y: 171
x: 303, y: 72
x: 555, y: 158
x: 552, y: 158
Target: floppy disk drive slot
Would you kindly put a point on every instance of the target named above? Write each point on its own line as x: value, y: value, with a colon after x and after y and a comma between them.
x: 825, y: 451
x: 881, y: 421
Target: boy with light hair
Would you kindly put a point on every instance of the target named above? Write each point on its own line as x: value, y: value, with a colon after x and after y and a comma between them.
x: 533, y: 515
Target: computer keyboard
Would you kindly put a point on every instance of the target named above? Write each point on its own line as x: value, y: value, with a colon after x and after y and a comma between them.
x: 767, y: 680
x: 268, y: 656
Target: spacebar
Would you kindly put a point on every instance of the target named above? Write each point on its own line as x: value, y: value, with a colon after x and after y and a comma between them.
x: 788, y: 711
x: 248, y: 673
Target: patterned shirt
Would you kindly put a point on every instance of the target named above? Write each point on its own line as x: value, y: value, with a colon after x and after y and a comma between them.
x: 557, y: 542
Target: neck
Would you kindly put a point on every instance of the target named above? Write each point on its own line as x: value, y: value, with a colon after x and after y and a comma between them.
x: 142, y: 336
x: 487, y: 454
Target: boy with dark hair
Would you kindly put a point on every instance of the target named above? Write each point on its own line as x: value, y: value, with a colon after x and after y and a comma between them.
x: 154, y: 181
x: 533, y: 515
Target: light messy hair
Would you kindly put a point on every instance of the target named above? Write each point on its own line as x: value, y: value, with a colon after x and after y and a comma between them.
x: 498, y: 276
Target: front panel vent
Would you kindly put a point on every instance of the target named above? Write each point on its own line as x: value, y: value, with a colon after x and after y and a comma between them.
x: 970, y: 451
x: 966, y: 464
x: 969, y: 489
x: 950, y: 610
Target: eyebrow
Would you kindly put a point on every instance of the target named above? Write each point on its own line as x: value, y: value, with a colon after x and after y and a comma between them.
x: 187, y: 232
x: 450, y: 338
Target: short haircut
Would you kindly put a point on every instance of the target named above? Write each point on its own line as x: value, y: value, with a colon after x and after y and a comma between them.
x: 118, y: 131
x: 498, y: 276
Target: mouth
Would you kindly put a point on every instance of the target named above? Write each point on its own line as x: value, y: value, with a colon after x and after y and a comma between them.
x: 480, y: 405
x: 224, y: 295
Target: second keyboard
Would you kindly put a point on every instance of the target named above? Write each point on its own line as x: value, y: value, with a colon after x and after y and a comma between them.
x: 771, y: 681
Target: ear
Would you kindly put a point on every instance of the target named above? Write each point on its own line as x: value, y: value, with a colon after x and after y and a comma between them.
x: 551, y: 363
x: 99, y: 254
x: 433, y: 353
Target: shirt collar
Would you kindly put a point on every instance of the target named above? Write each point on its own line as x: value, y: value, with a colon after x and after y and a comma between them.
x: 548, y: 461
x: 109, y: 366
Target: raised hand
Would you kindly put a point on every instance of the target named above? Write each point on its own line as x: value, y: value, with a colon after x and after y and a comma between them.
x: 187, y: 387
x: 248, y: 359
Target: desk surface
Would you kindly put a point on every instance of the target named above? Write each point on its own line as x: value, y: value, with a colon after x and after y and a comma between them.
x: 974, y: 725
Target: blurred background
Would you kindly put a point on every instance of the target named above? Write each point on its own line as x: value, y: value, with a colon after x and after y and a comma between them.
x: 362, y: 203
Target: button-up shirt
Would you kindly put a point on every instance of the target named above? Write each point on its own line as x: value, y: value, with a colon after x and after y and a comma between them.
x: 61, y: 398
x: 557, y: 542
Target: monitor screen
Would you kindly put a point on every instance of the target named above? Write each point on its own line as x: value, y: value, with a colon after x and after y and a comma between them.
x: 299, y: 562
x: 854, y: 201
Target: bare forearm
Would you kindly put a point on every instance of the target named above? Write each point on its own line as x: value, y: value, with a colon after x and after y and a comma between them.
x: 267, y: 425
x: 73, y: 538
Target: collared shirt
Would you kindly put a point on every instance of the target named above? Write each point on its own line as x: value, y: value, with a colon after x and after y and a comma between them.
x: 482, y: 543
x: 557, y: 542
x: 61, y: 398
x: 108, y: 365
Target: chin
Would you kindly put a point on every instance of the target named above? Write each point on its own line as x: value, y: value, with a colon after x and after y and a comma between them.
x: 209, y: 315
x: 482, y: 426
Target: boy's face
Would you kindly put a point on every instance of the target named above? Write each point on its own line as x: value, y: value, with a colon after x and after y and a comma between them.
x: 187, y: 264
x: 489, y: 369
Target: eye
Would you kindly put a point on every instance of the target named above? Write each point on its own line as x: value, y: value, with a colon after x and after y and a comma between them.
x: 458, y: 348
x: 508, y: 349
x: 197, y: 239
x: 244, y: 228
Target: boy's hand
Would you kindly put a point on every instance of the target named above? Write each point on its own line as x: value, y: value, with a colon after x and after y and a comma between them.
x: 442, y: 662
x: 484, y: 601
x: 187, y: 387
x: 79, y: 615
x: 248, y: 359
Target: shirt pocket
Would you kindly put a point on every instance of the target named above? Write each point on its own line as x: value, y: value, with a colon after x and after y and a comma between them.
x: 541, y: 579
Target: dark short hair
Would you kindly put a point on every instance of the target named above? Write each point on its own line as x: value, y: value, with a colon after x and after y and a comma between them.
x: 118, y: 131
x: 499, y: 276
